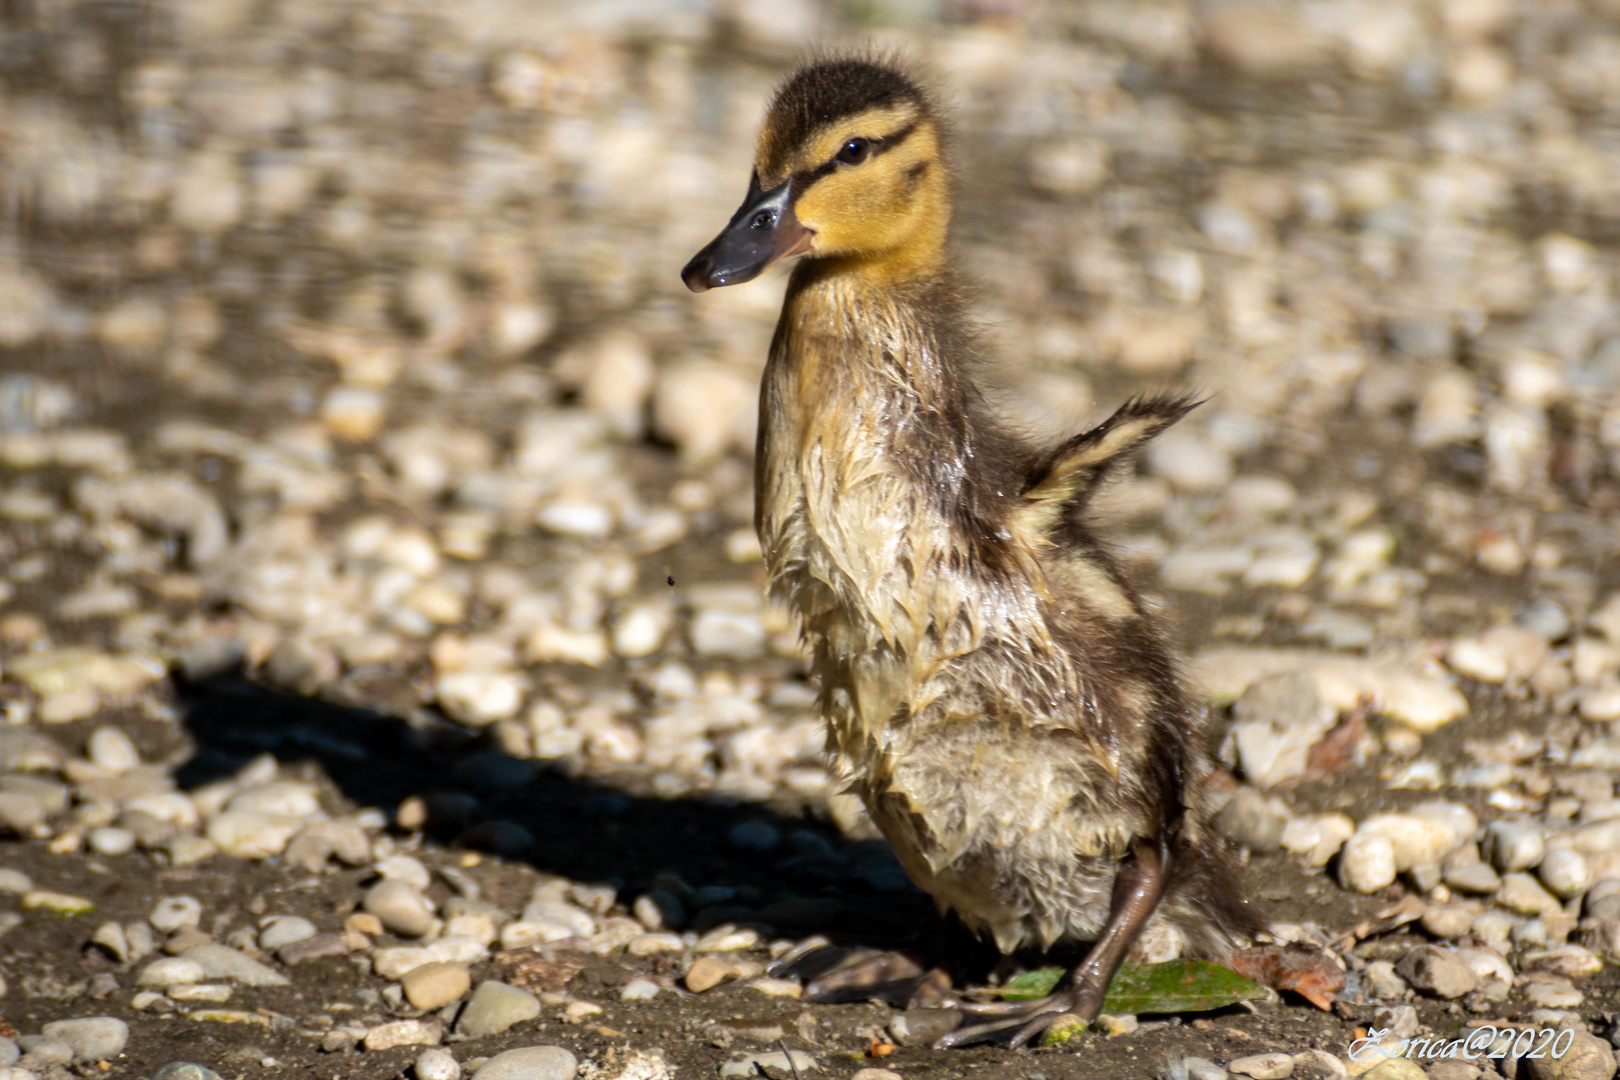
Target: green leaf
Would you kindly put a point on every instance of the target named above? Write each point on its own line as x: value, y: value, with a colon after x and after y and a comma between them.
x: 1032, y: 984
x: 1177, y: 986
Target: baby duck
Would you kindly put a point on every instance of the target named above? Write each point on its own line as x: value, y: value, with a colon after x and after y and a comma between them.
x: 994, y: 690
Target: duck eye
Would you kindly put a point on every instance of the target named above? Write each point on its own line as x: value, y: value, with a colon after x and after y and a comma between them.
x: 765, y: 219
x: 854, y: 152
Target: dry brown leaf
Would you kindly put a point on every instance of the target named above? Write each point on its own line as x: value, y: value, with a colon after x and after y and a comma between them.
x: 1312, y: 975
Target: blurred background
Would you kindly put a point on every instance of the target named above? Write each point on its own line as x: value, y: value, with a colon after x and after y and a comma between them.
x: 344, y: 341
x: 347, y: 377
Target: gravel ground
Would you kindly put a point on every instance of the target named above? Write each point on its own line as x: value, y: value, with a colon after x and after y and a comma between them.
x: 386, y: 681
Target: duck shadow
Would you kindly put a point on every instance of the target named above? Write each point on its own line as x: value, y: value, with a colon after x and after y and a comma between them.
x: 792, y: 874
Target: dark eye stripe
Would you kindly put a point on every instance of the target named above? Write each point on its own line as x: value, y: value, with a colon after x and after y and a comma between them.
x: 805, y: 177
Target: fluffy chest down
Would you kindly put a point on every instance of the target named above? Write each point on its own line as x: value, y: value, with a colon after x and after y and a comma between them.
x: 955, y: 704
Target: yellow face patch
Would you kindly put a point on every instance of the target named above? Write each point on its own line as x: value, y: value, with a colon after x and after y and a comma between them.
x: 892, y: 207
x: 776, y: 162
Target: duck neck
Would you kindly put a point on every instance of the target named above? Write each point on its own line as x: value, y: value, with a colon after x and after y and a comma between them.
x: 870, y: 328
x: 921, y: 259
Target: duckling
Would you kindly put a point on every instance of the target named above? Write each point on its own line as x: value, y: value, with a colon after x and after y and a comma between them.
x: 994, y: 690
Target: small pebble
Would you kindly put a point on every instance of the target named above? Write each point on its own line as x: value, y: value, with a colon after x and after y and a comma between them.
x: 1367, y: 863
x: 1523, y: 894
x: 707, y: 972
x: 921, y: 1027
x: 244, y: 834
x: 1438, y: 971
x: 284, y: 930
x: 111, y: 841
x: 171, y: 971
x: 1317, y: 1065
x: 184, y: 1070
x: 404, y: 1033
x: 638, y: 990
x: 61, y: 903
x: 755, y: 1064
x: 1513, y: 845
x: 314, y: 948
x: 437, y: 1064
x: 1273, y: 1066
x: 96, y: 1038
x: 402, y: 909
x: 111, y: 749
x: 495, y: 1007
x: 530, y: 1063
x: 220, y: 962
x: 435, y: 985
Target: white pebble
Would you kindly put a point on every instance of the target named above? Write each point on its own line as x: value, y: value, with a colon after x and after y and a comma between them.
x: 1367, y: 863
x: 171, y: 971
x: 638, y: 990
x: 1513, y: 845
x: 109, y: 840
x: 173, y: 912
x: 279, y: 930
x: 1415, y: 841
x: 1565, y: 873
x: 480, y: 698
x: 285, y: 798
x: 641, y: 629
x: 404, y: 868
x: 436, y: 1064
x: 401, y: 909
x: 112, y: 750
x: 243, y: 835
x: 1601, y: 704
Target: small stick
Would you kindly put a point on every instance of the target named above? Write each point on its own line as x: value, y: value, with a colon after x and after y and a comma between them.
x: 789, y: 1055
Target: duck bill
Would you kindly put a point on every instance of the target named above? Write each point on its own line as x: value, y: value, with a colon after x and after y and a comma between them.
x: 762, y: 231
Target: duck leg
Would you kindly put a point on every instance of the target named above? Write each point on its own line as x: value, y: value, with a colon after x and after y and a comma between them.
x: 1138, y: 886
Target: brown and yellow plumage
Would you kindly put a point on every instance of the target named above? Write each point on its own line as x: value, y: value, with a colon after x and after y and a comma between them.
x: 993, y: 689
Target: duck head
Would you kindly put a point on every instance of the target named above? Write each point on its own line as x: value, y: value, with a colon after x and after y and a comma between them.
x: 849, y: 168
